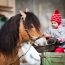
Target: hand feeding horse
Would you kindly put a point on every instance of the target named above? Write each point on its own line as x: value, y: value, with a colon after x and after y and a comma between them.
x: 14, y: 33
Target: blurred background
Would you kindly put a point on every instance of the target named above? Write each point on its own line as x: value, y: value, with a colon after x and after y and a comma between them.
x: 42, y: 8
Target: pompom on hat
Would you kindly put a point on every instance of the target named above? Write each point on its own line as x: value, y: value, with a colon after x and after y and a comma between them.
x: 56, y: 17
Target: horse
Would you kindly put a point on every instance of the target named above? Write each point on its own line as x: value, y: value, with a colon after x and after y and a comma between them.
x: 14, y: 32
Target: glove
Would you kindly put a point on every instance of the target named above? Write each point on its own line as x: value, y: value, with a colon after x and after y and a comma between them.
x: 60, y: 39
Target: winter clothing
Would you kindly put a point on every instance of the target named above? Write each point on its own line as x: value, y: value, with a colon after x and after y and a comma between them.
x: 59, y: 32
x: 56, y: 17
x: 59, y: 50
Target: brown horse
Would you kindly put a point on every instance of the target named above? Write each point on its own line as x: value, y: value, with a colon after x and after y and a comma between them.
x: 14, y: 32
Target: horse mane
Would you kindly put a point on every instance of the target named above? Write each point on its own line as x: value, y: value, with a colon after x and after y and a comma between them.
x: 9, y: 33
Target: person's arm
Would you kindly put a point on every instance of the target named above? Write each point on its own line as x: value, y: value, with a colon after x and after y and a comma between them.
x: 62, y: 35
x: 47, y: 33
x: 62, y: 38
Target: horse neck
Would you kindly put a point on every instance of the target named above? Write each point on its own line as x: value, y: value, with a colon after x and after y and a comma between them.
x: 8, y: 59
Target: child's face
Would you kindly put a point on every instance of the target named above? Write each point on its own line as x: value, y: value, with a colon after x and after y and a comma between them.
x: 54, y: 24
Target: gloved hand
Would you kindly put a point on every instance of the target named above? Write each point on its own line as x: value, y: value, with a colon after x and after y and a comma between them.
x: 60, y: 39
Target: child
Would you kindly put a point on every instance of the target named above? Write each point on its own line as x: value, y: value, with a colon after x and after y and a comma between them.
x: 57, y: 30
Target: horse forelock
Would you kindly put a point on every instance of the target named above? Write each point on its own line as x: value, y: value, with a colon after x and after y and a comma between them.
x: 31, y: 19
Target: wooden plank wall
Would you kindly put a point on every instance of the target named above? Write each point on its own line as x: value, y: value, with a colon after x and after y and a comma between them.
x: 7, y: 7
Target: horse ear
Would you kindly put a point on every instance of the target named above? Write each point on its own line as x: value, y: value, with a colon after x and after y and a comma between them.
x: 23, y: 14
x: 27, y: 10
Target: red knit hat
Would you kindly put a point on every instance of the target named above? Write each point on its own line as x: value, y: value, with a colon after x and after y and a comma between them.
x: 56, y: 17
